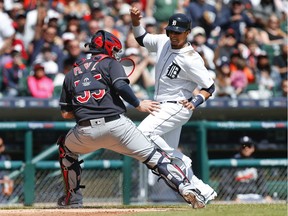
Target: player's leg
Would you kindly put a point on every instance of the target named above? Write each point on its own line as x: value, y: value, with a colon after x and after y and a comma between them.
x: 71, y: 173
x: 165, y: 128
x: 138, y: 146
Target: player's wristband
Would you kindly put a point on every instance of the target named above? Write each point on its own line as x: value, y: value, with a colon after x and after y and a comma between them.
x: 197, y: 100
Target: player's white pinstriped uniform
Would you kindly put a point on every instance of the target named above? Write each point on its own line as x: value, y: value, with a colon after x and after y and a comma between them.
x: 175, y: 80
x: 178, y: 72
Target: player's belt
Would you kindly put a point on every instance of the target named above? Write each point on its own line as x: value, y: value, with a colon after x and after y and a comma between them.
x: 98, y: 120
x: 175, y: 102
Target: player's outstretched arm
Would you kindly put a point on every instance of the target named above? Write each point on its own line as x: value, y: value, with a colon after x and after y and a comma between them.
x: 148, y: 106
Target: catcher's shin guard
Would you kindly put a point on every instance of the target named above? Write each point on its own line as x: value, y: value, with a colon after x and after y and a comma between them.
x: 166, y: 169
x: 174, y: 177
x: 71, y: 170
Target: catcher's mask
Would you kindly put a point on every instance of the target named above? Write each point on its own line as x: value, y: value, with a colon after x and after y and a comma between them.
x: 178, y: 23
x: 104, y: 42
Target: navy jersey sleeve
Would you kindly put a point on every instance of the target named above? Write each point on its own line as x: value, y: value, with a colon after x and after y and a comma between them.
x: 66, y: 97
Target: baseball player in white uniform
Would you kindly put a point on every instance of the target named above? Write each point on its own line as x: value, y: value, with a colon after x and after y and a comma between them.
x: 179, y: 71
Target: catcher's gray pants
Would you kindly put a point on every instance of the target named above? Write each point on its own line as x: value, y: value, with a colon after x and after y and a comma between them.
x: 120, y: 135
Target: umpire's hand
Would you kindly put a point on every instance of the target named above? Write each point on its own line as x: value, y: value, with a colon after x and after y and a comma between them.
x: 148, y: 106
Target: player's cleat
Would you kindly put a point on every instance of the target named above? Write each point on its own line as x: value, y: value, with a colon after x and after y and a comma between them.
x: 206, y: 191
x: 72, y: 203
x: 194, y: 197
x: 210, y: 197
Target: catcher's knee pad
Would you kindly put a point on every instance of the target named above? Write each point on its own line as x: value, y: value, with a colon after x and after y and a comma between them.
x: 70, y: 168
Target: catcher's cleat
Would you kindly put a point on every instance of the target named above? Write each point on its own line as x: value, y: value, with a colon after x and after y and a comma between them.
x: 62, y: 203
x: 193, y: 197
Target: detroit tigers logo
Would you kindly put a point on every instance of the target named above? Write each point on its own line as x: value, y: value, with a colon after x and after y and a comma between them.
x: 174, y: 23
x: 173, y: 71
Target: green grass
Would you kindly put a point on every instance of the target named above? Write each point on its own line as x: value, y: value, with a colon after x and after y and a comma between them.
x: 222, y: 210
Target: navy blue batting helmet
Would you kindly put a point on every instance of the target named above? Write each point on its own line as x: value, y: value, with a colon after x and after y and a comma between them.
x: 178, y: 23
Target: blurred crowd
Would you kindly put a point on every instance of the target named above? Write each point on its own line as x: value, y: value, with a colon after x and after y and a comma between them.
x: 243, y: 42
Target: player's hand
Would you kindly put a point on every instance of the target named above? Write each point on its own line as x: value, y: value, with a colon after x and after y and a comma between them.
x: 148, y: 106
x: 136, y: 16
x: 187, y: 104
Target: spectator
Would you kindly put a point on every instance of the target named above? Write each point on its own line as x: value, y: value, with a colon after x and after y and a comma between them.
x: 59, y: 78
x: 141, y: 79
x: 92, y: 27
x: 48, y: 60
x: 98, y: 12
x: 280, y: 63
x: 161, y: 10
x: 236, y: 18
x: 237, y: 61
x: 13, y: 72
x: 244, y: 184
x: 266, y: 84
x: 6, y: 184
x: 250, y: 53
x: 114, y: 9
x: 19, y: 25
x: 199, y: 41
x: 38, y: 16
x: 272, y: 34
x: 284, y: 88
x: 123, y: 24
x: 238, y: 78
x: 261, y: 11
x: 46, y: 40
x: 6, y: 33
x: 77, y: 8
x: 39, y: 85
x: 267, y: 77
x: 202, y: 14
x: 74, y: 51
x: 110, y: 26
x: 150, y: 25
x: 227, y: 45
x: 223, y: 87
x: 74, y: 26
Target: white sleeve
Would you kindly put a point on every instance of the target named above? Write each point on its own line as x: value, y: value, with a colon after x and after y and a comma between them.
x: 152, y: 42
x: 138, y: 31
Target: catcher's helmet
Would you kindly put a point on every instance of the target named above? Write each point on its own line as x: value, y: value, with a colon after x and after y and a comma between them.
x: 105, y: 43
x: 178, y: 23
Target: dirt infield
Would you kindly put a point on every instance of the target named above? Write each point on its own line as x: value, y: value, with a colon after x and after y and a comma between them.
x: 74, y: 212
